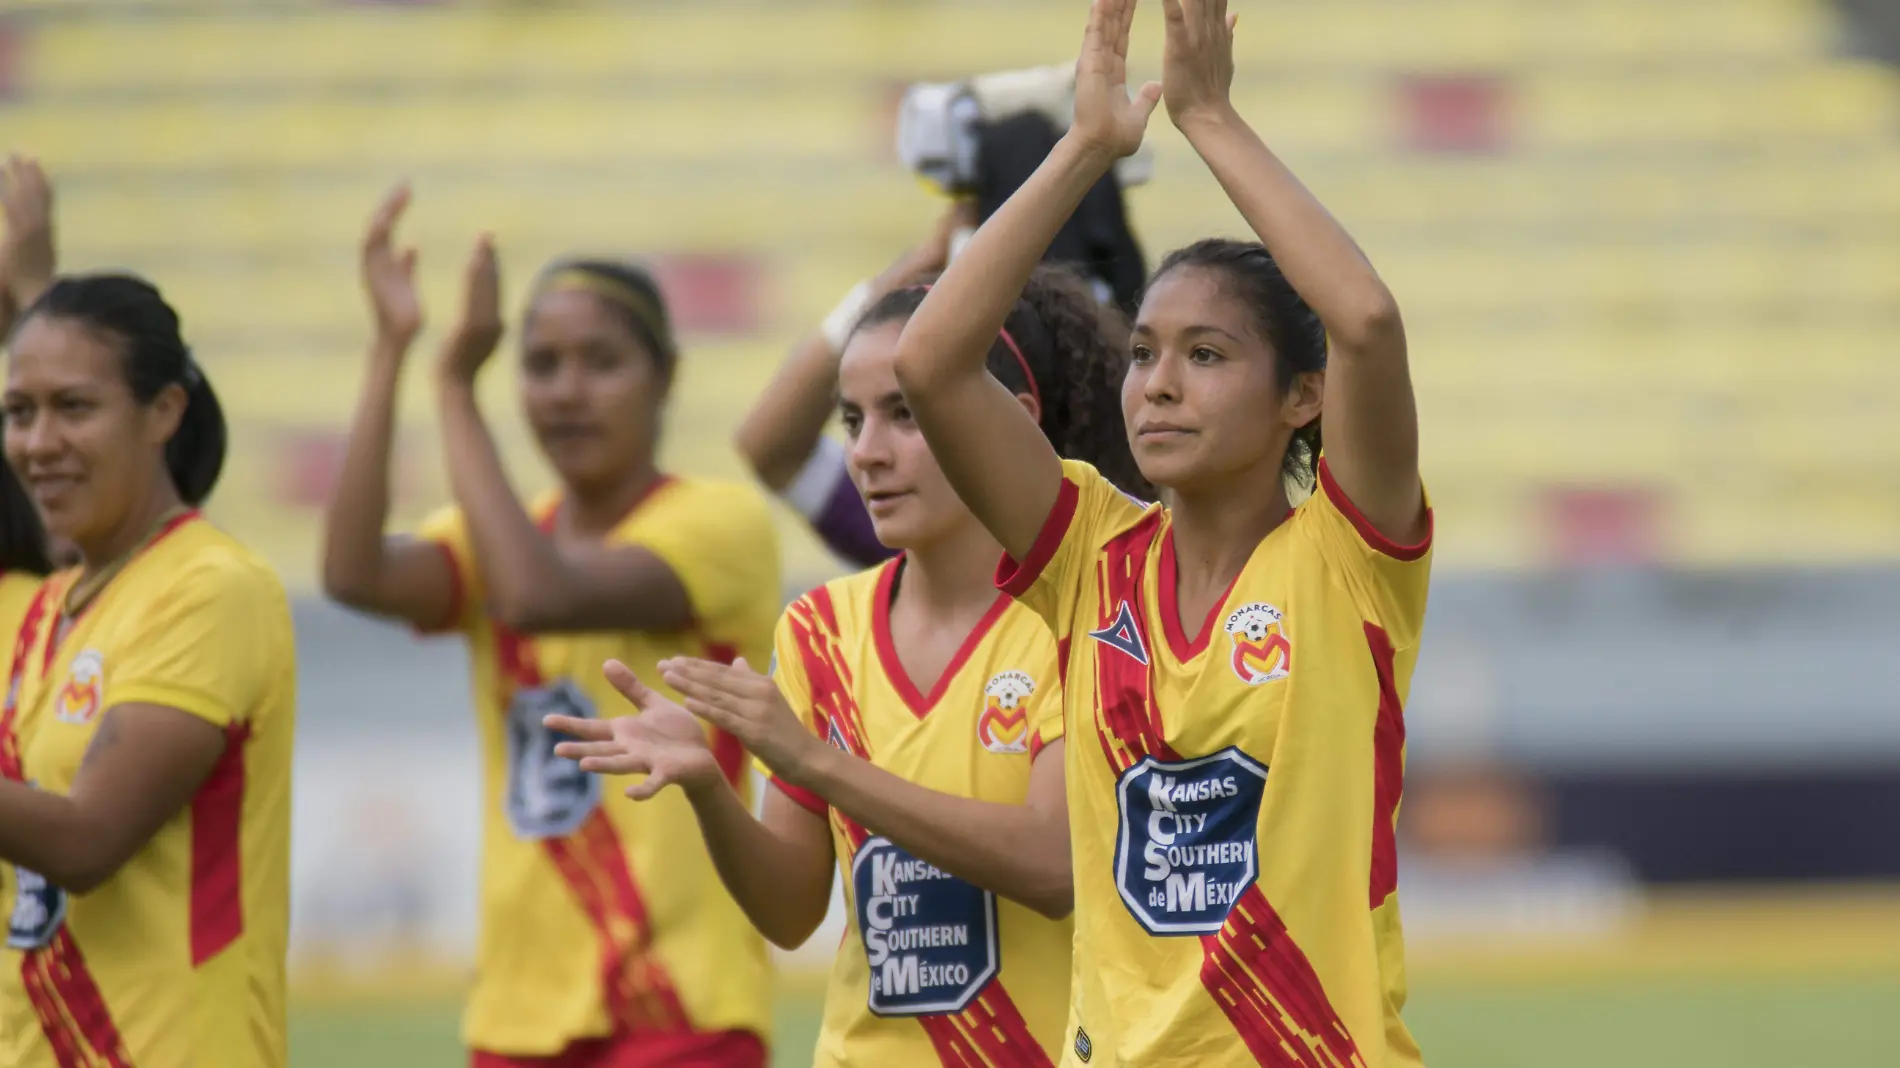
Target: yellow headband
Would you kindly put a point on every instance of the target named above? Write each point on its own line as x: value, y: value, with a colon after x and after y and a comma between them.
x: 643, y: 307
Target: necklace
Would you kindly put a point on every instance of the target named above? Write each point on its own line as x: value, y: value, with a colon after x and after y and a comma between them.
x: 87, y: 587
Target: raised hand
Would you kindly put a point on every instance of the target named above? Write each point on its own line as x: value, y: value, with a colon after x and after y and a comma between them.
x: 663, y: 742
x: 1197, y: 61
x: 389, y: 275
x: 746, y: 705
x: 1106, y: 117
x: 474, y: 337
x: 27, y: 258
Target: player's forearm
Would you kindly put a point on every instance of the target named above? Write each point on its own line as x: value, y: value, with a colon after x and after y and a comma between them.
x: 781, y: 889
x: 951, y: 334
x: 784, y: 425
x: 520, y: 566
x: 1017, y: 851
x: 359, y: 506
x: 47, y: 833
x: 1321, y: 260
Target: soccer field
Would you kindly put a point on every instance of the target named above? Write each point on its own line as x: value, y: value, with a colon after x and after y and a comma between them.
x: 1658, y: 1022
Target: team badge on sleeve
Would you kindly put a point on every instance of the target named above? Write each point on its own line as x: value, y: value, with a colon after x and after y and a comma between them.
x: 929, y: 937
x: 1004, y: 725
x: 1262, y: 652
x: 1188, y: 845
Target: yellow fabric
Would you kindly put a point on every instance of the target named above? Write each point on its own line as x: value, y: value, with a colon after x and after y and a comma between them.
x: 196, y: 623
x: 974, y: 740
x: 1312, y: 956
x: 540, y: 978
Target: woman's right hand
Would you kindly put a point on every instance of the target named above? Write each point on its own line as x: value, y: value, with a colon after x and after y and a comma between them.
x: 389, y: 276
x: 664, y: 742
x: 1106, y: 118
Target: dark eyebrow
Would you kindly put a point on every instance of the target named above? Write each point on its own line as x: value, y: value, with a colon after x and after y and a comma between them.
x: 1193, y: 331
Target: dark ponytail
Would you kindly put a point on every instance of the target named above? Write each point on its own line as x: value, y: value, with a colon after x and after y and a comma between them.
x: 1281, y: 316
x: 1066, y: 348
x: 131, y: 311
x: 22, y: 539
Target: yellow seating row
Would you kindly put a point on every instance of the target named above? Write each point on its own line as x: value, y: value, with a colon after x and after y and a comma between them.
x: 720, y: 41
x: 548, y: 126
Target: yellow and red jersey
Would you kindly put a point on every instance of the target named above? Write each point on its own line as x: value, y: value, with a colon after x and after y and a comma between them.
x: 1232, y: 795
x: 600, y: 915
x: 16, y: 594
x: 177, y: 960
x: 933, y: 969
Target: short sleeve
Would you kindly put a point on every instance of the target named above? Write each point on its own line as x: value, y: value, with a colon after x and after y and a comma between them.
x: 1045, y: 727
x: 446, y: 530
x: 1088, y: 510
x: 719, y: 540
x: 209, y: 645
x: 1388, y: 581
x: 788, y: 672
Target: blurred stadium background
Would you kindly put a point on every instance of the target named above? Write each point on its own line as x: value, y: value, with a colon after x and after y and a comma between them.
x: 1650, y: 258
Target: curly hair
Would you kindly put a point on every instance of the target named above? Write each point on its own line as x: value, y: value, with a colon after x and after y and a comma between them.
x: 1076, y: 348
x: 1280, y: 315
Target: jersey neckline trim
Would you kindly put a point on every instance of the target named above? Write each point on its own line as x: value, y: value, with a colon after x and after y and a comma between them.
x: 918, y: 703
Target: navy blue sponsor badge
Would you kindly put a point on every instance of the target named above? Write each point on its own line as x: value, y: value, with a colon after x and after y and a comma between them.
x: 929, y: 937
x: 548, y: 796
x: 1188, y: 847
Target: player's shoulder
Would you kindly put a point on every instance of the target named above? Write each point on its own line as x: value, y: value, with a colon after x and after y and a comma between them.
x: 843, y: 605
x: 734, y: 502
x: 1112, y: 508
x: 201, y: 557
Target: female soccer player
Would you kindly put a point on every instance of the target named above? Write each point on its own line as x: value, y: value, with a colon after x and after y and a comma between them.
x: 606, y: 941
x: 145, y: 760
x: 1236, y: 667
x: 782, y: 438
x: 944, y: 790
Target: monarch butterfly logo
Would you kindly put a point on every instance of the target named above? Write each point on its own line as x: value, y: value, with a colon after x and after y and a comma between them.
x: 1004, y: 725
x: 1262, y: 652
x: 79, y: 700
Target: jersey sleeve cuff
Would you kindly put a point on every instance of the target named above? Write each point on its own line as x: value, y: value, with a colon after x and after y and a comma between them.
x: 191, y: 702
x: 1367, y: 532
x: 1014, y: 577
x: 805, y: 799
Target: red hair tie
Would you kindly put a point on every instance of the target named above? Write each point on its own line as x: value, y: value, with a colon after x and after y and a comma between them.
x: 1014, y: 350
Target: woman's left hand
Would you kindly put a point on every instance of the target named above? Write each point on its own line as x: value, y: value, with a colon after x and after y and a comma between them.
x: 1197, y: 60
x: 473, y: 339
x: 748, y: 706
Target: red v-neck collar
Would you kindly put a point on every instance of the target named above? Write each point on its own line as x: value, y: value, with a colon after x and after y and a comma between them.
x: 919, y: 704
x: 1179, y: 644
x: 1184, y: 648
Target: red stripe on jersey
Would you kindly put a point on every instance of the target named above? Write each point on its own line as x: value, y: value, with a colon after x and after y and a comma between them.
x: 1388, y: 769
x: 10, y: 757
x: 1124, y: 687
x: 728, y: 752
x: 997, y: 1029
x: 805, y: 799
x: 1015, y: 578
x: 74, y: 1001
x: 1253, y: 965
x: 639, y: 995
x: 953, y: 1050
x: 217, y: 880
x: 54, y: 1024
